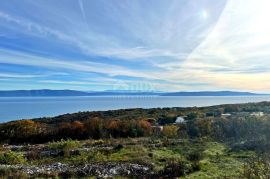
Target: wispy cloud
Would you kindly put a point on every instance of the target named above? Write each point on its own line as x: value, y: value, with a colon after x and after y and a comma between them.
x: 235, y: 53
x: 83, y: 66
x: 170, y: 45
x: 12, y: 75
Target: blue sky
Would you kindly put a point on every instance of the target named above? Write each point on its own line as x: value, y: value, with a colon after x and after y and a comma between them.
x: 153, y: 45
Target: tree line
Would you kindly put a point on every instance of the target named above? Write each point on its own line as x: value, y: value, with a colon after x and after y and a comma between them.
x: 200, y: 122
x: 28, y: 131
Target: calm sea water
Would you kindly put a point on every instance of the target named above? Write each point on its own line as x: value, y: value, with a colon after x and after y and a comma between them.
x: 32, y: 107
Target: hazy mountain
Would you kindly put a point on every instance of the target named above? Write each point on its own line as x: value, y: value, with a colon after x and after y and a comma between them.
x: 211, y: 93
x: 43, y: 92
x: 47, y: 92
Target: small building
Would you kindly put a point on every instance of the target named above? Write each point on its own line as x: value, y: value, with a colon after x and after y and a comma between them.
x: 226, y: 115
x: 179, y: 120
x: 257, y: 114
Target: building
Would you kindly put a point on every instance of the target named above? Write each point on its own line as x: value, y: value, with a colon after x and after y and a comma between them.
x: 226, y: 115
x: 257, y: 114
x: 179, y: 120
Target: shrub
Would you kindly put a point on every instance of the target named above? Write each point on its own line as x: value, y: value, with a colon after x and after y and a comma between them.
x: 96, y: 156
x: 65, y: 145
x: 176, y: 168
x: 257, y: 167
x: 11, y: 158
x: 34, y: 154
x: 170, y: 131
x: 12, y: 173
x: 98, y: 142
x: 151, y: 155
x: 118, y: 147
x: 196, y: 166
x: 195, y: 156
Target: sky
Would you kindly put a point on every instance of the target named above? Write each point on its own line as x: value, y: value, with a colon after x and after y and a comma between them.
x: 153, y: 45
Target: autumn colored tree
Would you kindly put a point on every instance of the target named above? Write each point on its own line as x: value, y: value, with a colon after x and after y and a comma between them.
x: 73, y: 130
x: 78, y: 130
x: 95, y: 128
x: 145, y: 126
x: 21, y: 131
x: 170, y: 131
x: 113, y: 128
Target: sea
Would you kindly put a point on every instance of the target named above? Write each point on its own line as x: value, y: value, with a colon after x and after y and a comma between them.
x: 15, y: 108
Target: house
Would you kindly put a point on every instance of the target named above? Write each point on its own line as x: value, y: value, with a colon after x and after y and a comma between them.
x: 257, y: 114
x: 179, y: 120
x: 226, y: 115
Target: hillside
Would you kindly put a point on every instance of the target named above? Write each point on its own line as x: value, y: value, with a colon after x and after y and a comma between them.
x: 143, y: 143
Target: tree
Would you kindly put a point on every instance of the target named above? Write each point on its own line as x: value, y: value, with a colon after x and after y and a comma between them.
x: 113, y: 128
x: 145, y: 127
x: 170, y: 131
x: 21, y: 131
x: 78, y: 130
x: 95, y: 128
x: 191, y: 116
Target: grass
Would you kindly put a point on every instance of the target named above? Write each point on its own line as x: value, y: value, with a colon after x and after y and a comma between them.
x: 12, y: 158
x: 135, y: 153
x: 215, y: 159
x: 220, y: 162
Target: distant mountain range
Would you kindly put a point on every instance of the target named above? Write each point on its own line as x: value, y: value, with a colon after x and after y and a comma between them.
x: 211, y: 93
x: 47, y: 93
x: 43, y: 92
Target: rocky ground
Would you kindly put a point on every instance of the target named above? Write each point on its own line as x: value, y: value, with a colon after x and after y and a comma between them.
x: 100, y: 170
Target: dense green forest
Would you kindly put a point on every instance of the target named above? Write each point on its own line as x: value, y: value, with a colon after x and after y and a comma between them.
x: 239, y: 133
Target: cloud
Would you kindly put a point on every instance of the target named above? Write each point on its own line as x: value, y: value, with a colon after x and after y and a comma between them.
x: 235, y: 54
x: 12, y: 57
x: 124, y: 31
x: 171, y: 45
x: 14, y: 75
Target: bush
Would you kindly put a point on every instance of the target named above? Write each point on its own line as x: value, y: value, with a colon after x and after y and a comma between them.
x: 12, y: 158
x: 170, y: 131
x: 118, y: 147
x: 195, y: 156
x: 34, y: 154
x: 196, y: 166
x: 176, y: 168
x: 96, y: 156
x: 65, y: 145
x: 98, y: 142
x: 12, y: 173
x: 257, y: 167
